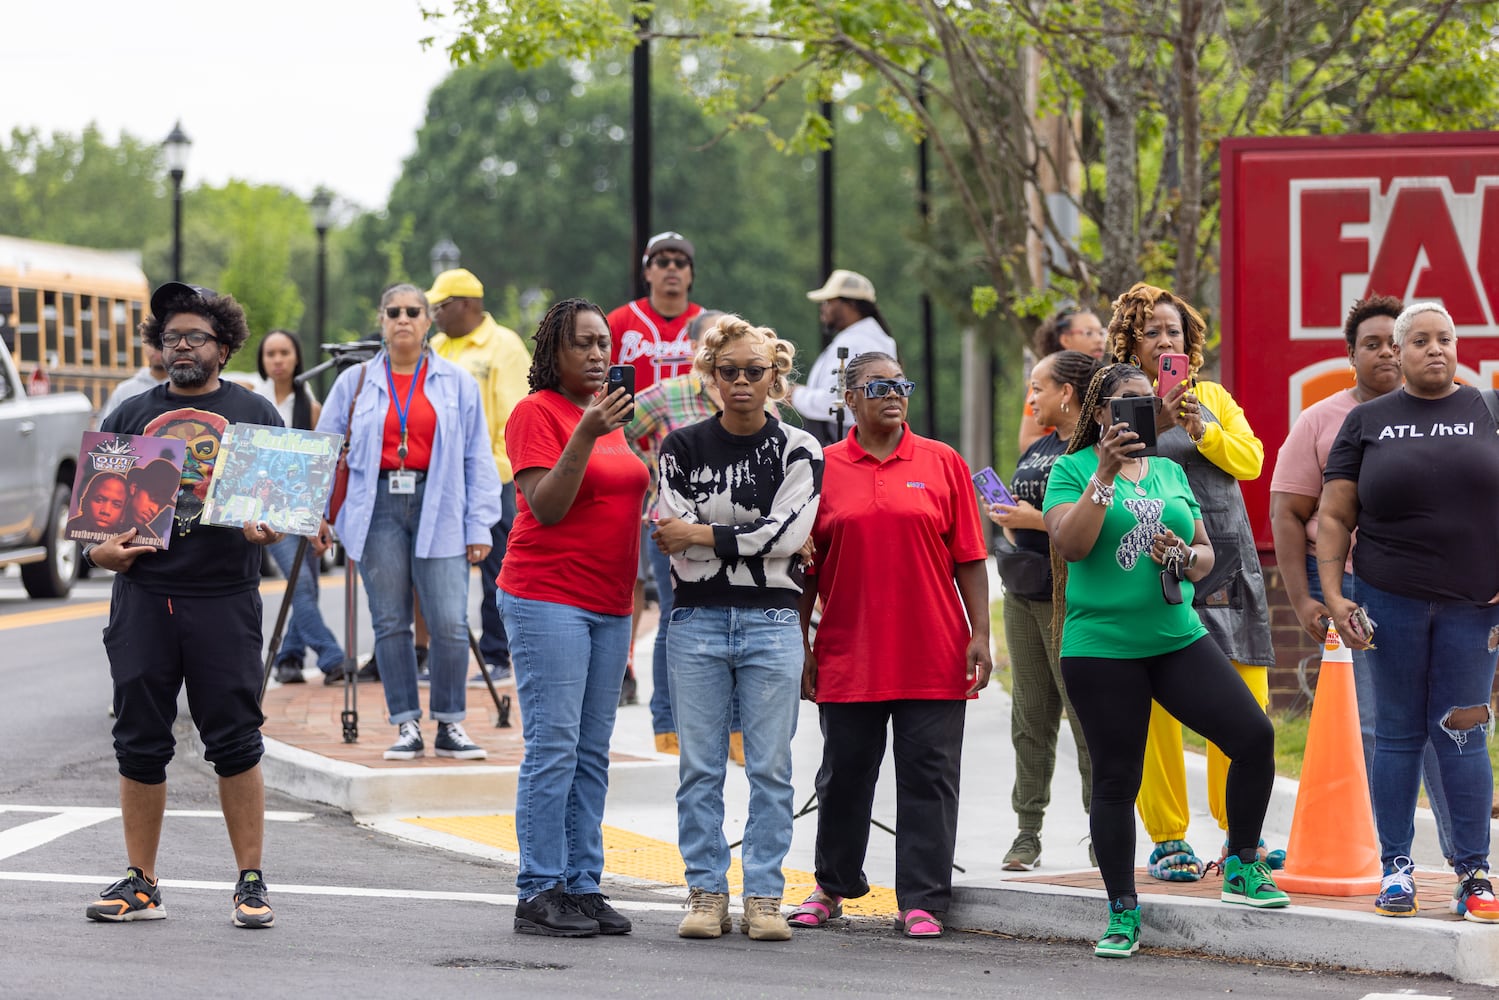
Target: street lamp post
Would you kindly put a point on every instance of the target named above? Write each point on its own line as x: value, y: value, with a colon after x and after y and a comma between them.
x: 322, y: 219
x: 176, y: 147
x: 445, y: 256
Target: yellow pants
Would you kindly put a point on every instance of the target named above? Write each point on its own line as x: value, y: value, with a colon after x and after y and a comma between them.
x: 1162, y: 801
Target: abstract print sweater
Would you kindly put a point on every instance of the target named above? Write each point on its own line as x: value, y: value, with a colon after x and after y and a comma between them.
x: 759, y: 492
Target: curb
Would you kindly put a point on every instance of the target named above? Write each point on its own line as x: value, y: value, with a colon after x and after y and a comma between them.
x: 1468, y: 953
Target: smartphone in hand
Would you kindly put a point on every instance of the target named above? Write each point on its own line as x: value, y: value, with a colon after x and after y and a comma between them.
x: 991, y: 487
x: 1173, y: 370
x: 622, y: 375
x: 1139, y: 413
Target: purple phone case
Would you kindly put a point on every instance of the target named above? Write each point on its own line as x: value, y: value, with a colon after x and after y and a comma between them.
x: 991, y: 487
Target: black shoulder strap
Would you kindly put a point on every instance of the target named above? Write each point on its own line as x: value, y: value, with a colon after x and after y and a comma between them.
x: 1491, y: 400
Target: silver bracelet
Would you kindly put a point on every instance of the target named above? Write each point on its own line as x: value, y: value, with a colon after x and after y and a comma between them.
x: 1103, y: 493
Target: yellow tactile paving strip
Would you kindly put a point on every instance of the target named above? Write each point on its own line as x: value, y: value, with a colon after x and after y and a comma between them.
x: 646, y: 858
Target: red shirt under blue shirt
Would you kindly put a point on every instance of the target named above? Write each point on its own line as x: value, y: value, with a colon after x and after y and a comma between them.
x: 889, y: 536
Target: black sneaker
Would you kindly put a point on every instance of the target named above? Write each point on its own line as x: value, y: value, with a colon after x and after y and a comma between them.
x: 408, y: 744
x: 453, y: 742
x: 131, y: 898
x: 250, y: 906
x: 596, y: 905
x: 628, y: 691
x: 288, y: 672
x: 335, y: 676
x: 370, y: 672
x: 554, y: 914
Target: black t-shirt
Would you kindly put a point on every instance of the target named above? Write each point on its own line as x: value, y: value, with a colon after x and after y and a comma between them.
x: 203, y: 559
x: 1428, y: 491
x: 1029, y: 484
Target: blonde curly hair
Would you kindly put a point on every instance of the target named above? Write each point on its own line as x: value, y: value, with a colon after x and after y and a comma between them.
x: 730, y: 328
x: 1134, y: 309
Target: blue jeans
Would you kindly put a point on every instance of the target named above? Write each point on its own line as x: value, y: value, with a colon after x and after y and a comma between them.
x: 493, y: 645
x: 569, y: 665
x: 714, y: 654
x: 306, y: 626
x: 1431, y: 658
x: 391, y: 568
x: 1363, y: 686
x: 662, y: 718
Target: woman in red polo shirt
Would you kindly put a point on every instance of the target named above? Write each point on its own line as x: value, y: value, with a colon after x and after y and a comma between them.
x: 897, y: 646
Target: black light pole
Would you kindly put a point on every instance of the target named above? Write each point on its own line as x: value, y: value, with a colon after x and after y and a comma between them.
x: 825, y: 210
x: 322, y: 218
x: 928, y: 337
x: 176, y: 146
x: 640, y: 150
x: 445, y: 256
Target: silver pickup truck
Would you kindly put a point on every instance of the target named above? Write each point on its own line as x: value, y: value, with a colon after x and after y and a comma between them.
x: 39, y: 438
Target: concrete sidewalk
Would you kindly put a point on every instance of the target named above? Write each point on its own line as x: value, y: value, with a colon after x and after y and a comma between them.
x: 460, y: 805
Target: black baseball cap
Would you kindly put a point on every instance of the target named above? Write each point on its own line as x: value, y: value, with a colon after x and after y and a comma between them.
x: 172, y: 292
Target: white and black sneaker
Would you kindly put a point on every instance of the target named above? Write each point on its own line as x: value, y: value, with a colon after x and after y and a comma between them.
x: 408, y: 744
x: 452, y: 741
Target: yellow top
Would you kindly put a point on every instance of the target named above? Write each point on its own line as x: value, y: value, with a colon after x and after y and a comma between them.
x: 1230, y: 444
x: 498, y: 360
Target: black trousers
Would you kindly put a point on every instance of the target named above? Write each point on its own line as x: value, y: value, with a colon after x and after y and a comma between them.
x: 928, y: 756
x: 1200, y: 687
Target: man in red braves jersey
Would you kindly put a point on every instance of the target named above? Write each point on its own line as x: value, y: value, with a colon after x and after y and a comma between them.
x: 651, y: 333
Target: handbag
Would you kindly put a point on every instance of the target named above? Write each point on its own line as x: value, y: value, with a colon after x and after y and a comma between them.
x: 341, y: 472
x: 1023, y: 571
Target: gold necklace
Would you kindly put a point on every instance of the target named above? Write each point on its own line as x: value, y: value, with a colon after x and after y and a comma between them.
x: 1139, y: 490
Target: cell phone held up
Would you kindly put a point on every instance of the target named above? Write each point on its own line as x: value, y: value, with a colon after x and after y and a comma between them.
x: 1139, y: 413
x: 1172, y: 371
x: 622, y: 375
x: 991, y: 488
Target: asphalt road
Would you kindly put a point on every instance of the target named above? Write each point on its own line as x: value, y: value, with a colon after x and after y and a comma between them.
x: 363, y: 913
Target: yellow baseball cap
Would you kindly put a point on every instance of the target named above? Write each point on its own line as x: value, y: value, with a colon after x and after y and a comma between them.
x: 458, y: 283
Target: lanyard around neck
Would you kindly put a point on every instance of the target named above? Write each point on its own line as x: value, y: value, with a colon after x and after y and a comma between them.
x: 403, y: 411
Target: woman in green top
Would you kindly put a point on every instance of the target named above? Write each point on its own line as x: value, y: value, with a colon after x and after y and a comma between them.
x: 1128, y: 544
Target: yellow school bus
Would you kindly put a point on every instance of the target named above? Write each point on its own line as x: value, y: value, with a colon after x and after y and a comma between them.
x: 72, y: 313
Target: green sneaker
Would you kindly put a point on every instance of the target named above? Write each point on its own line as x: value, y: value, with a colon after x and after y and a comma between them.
x: 1251, y: 884
x: 1122, y: 939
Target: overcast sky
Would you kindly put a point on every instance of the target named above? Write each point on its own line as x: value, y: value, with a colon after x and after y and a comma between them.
x: 291, y: 92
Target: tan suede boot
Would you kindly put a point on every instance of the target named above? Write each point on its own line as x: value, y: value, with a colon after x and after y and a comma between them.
x: 762, y: 919
x: 667, y: 743
x: 707, y: 915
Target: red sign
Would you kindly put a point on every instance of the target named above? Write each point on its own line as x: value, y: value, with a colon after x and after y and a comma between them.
x: 39, y: 384
x: 1312, y: 224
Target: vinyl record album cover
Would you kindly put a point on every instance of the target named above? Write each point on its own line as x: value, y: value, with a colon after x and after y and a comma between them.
x: 278, y: 475
x: 125, y: 481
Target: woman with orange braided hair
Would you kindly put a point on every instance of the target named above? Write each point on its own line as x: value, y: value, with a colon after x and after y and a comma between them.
x: 1203, y: 430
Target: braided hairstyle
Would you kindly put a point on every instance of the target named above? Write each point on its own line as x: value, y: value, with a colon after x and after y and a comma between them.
x: 857, y: 364
x: 1133, y: 310
x: 559, y: 322
x: 1085, y: 435
x: 729, y: 328
x: 1076, y: 369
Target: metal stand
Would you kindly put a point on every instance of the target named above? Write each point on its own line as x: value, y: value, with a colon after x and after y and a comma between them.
x: 502, y: 702
x: 350, y: 714
x: 281, y: 615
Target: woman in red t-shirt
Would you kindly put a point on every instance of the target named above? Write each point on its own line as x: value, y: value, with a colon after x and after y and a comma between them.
x: 566, y: 593
x: 899, y: 645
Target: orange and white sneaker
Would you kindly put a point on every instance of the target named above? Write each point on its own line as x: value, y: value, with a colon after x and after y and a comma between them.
x: 1474, y: 899
x: 131, y: 898
x: 250, y: 906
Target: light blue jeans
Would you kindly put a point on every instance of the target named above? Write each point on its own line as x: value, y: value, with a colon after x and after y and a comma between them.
x: 390, y: 568
x: 1431, y: 658
x: 662, y: 720
x: 716, y: 653
x: 569, y: 664
x: 306, y: 627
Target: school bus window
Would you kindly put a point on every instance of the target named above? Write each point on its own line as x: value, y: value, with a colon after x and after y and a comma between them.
x: 28, y: 328
x: 67, y: 328
x: 88, y: 344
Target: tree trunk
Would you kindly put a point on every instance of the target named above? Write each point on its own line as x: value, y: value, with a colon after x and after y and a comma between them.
x: 1119, y: 237
x: 1189, y: 212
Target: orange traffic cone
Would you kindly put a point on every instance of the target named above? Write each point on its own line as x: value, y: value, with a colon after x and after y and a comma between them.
x: 1333, y: 849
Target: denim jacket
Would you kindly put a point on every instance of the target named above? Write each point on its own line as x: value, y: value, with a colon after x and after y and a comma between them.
x: 461, y: 501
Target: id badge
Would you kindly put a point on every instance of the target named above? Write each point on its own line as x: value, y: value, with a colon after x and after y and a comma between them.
x: 401, y: 482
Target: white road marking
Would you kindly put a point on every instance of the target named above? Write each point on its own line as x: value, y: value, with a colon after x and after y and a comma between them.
x: 60, y: 821
x: 359, y: 892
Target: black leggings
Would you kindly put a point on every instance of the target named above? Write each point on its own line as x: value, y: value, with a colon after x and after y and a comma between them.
x: 1202, y: 690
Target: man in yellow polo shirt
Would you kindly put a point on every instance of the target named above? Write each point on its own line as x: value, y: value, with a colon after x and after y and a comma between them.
x: 497, y: 359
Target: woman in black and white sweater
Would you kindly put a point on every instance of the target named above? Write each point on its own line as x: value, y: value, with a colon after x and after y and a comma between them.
x: 739, y: 495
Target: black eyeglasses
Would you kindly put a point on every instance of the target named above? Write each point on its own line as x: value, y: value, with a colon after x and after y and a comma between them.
x: 752, y: 373
x: 875, y: 388
x: 412, y: 312
x: 196, y: 338
x: 663, y: 262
